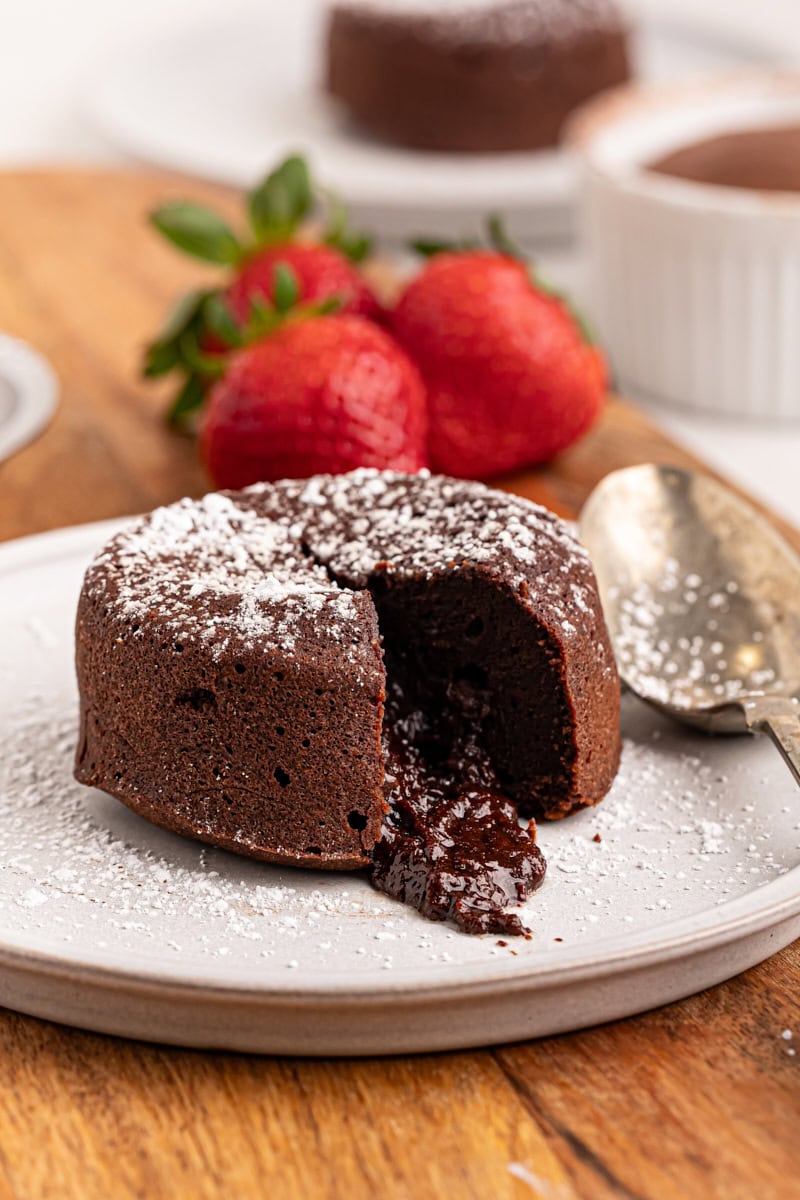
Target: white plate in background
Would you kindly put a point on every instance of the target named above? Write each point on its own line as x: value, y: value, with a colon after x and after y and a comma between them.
x: 224, y: 99
x: 113, y: 925
x: 28, y: 394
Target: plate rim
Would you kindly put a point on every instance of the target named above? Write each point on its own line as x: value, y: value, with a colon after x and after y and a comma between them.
x: 682, y: 938
x: 36, y: 389
x: 538, y: 978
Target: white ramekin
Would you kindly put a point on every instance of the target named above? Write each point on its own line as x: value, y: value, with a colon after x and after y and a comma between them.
x: 695, y: 288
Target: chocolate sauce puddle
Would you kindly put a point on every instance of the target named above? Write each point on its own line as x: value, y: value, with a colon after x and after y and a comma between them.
x: 452, y: 845
x: 765, y: 160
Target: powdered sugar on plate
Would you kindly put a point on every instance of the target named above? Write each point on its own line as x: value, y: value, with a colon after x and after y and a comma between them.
x: 79, y: 872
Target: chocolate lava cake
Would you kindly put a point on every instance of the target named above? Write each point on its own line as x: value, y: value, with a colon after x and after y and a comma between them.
x: 370, y: 669
x: 472, y: 75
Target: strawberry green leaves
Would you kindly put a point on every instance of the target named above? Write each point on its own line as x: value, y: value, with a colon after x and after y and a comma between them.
x: 496, y: 237
x: 501, y: 240
x: 164, y: 353
x: 286, y: 291
x: 281, y: 201
x: 203, y: 327
x: 219, y: 320
x: 276, y: 208
x: 353, y: 245
x: 197, y: 231
x: 201, y: 330
x: 265, y: 316
x: 178, y: 347
x: 427, y: 247
x: 189, y: 399
x: 547, y: 288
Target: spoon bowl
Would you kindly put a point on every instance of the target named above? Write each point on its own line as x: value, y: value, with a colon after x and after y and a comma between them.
x: 702, y: 599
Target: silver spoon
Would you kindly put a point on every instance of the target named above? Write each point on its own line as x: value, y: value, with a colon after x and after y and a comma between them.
x: 702, y: 599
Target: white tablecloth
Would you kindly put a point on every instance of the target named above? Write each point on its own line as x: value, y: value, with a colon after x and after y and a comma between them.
x: 48, y: 46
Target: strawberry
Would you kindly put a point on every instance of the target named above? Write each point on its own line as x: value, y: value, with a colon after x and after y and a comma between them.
x: 321, y: 271
x: 320, y: 394
x: 200, y: 325
x: 511, y: 376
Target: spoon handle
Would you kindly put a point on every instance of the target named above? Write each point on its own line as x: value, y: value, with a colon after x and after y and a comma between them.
x: 781, y: 720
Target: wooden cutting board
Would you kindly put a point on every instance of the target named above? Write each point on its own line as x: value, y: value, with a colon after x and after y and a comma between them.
x: 697, y: 1100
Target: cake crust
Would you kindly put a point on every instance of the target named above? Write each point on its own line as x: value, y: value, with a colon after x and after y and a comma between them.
x: 472, y: 75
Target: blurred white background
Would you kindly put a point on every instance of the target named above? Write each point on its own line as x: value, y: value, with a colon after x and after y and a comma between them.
x: 50, y: 49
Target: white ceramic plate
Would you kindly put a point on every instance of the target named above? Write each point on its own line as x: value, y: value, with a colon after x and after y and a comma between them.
x: 112, y: 925
x: 28, y: 394
x: 224, y: 99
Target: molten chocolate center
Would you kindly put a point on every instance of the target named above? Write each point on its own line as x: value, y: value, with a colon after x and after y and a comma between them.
x: 765, y: 160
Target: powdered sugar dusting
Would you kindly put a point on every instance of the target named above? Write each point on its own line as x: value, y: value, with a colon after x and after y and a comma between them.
x: 216, y: 569
x: 691, y: 668
x: 496, y: 21
x: 255, y: 568
x: 369, y: 520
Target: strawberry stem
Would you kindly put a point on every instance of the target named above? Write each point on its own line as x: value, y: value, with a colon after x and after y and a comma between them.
x: 188, y: 400
x: 547, y: 288
x: 338, y: 234
x: 500, y: 240
x: 427, y: 247
x: 220, y: 321
x: 280, y: 202
x: 286, y: 289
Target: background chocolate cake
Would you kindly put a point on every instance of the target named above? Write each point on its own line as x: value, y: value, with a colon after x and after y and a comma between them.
x: 472, y: 75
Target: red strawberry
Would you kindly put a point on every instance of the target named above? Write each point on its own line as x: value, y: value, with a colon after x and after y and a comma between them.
x: 323, y: 394
x: 322, y: 272
x: 511, y: 378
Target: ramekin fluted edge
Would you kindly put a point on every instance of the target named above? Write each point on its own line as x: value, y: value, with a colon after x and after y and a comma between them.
x: 694, y: 287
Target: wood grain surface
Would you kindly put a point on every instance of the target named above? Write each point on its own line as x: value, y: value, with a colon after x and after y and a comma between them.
x: 696, y: 1101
